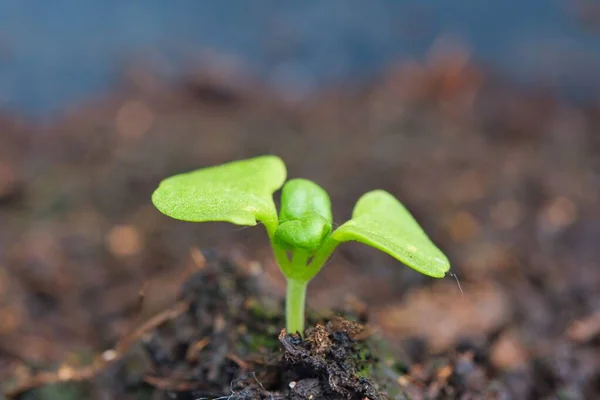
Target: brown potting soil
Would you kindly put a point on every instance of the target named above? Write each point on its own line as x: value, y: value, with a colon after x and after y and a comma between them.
x: 219, y: 341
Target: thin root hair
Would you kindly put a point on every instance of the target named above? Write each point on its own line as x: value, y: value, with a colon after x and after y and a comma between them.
x: 455, y: 276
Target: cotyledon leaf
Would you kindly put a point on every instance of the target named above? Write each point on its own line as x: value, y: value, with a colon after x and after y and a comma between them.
x: 240, y: 192
x: 381, y: 221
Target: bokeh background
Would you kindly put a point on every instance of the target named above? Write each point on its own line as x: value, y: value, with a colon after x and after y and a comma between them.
x: 483, y: 117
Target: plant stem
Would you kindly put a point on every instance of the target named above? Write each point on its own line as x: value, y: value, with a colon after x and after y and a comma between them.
x: 299, y: 258
x: 323, y: 254
x: 294, y: 306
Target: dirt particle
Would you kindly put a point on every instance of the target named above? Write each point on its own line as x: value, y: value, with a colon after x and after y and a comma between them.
x: 192, y: 351
x: 65, y: 372
x: 219, y: 324
x: 560, y: 213
x: 585, y: 329
x: 123, y: 241
x: 463, y: 227
x: 320, y: 340
x: 445, y: 372
x: 342, y: 325
x: 403, y: 381
x: 109, y: 355
x: 197, y: 257
x: 508, y: 352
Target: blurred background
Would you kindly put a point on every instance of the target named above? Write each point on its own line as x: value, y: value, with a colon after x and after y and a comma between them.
x: 482, y: 117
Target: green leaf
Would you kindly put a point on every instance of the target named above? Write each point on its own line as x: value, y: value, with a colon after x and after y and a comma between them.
x: 307, y: 233
x: 381, y: 221
x: 305, y: 216
x: 240, y: 192
x: 300, y: 197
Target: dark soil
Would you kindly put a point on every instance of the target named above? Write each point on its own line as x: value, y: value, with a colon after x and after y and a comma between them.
x: 225, y: 345
x: 506, y: 181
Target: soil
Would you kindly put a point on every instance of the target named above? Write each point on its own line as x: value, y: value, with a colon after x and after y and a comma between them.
x: 506, y: 181
x: 222, y: 343
x: 219, y: 342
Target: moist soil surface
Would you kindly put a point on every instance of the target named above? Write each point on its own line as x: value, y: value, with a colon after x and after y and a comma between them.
x: 102, y: 292
x: 219, y: 341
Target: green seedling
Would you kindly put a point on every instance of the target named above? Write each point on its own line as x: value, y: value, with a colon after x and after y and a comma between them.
x: 302, y: 238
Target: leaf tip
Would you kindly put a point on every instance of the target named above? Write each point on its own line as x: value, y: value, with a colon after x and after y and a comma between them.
x: 442, y: 267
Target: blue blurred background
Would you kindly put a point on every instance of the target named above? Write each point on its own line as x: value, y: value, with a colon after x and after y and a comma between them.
x: 55, y: 53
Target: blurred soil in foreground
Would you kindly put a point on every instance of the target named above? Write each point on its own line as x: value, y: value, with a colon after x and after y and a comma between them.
x: 505, y: 180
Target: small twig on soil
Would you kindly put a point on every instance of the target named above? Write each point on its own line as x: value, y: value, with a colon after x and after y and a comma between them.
x: 158, y: 319
x: 259, y: 382
x: 241, y: 363
x: 170, y: 384
x: 192, y: 353
x: 69, y: 374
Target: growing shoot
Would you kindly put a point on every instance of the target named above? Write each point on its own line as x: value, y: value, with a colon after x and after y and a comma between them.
x: 301, y: 234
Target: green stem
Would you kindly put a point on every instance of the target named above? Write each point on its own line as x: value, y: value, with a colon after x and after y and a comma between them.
x: 299, y: 259
x: 294, y: 306
x: 298, y: 274
x: 323, y: 254
x: 282, y: 260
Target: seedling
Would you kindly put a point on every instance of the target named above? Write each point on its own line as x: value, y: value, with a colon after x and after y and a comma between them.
x: 241, y: 192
